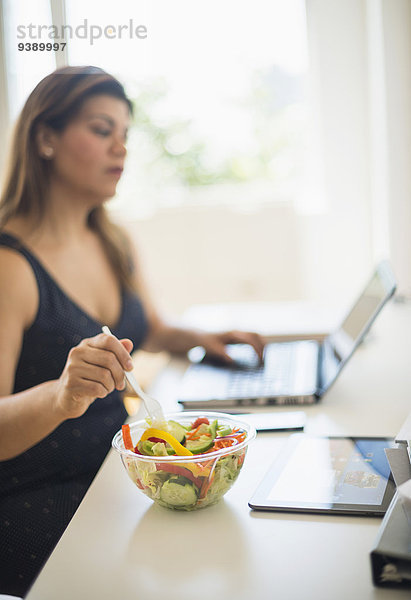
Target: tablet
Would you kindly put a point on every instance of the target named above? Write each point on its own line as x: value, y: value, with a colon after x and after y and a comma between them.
x: 337, y: 475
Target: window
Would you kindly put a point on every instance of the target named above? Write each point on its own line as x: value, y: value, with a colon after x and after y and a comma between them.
x: 219, y: 88
x: 220, y: 97
x: 25, y: 68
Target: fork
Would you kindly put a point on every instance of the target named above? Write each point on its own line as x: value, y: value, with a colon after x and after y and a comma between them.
x: 153, y: 407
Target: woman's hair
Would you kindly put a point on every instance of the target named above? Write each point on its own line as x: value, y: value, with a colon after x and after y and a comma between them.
x: 54, y: 102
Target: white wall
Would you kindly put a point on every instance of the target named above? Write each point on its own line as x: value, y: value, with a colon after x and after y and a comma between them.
x: 215, y: 254
x: 396, y: 41
x: 337, y: 243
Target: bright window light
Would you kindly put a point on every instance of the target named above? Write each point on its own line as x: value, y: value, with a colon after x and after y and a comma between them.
x: 219, y: 90
x: 25, y: 67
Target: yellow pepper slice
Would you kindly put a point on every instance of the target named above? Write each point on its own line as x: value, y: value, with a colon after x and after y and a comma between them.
x: 167, y: 437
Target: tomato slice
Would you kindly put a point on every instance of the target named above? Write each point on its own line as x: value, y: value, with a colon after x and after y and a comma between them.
x: 199, y: 421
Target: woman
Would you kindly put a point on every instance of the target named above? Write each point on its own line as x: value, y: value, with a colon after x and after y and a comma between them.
x: 65, y: 270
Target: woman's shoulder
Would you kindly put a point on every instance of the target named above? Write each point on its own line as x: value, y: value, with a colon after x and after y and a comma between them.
x: 18, y: 286
x: 12, y: 262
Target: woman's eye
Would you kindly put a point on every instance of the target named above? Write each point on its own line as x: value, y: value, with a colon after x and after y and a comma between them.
x: 102, y: 132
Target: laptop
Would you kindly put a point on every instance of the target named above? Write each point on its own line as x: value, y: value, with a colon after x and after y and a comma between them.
x: 294, y: 372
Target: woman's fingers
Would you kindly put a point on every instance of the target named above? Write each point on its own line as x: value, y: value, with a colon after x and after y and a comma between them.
x: 215, y: 343
x: 246, y: 337
x: 94, y: 368
x: 127, y: 344
x: 110, y: 343
x: 104, y: 359
x: 87, y: 389
x: 216, y: 347
x: 106, y: 365
x: 103, y: 376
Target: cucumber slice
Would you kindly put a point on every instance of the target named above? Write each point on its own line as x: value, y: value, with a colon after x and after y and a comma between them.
x: 177, y: 431
x: 178, y: 491
x: 146, y: 447
x: 223, y: 430
x: 204, y: 443
x: 212, y: 428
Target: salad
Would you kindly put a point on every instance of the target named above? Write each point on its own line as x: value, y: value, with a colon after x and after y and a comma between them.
x: 185, y: 485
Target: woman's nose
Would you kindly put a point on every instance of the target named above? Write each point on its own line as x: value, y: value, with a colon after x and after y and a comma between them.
x: 119, y: 147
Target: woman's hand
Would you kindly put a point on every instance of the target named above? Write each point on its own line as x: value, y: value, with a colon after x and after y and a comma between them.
x: 215, y: 343
x: 93, y: 369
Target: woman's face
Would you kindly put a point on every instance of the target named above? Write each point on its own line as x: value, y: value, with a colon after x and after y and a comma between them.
x: 89, y: 154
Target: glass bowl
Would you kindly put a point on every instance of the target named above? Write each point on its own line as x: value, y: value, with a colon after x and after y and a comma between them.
x: 186, y: 482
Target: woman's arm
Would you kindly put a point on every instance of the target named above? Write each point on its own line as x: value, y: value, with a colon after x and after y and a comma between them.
x: 93, y: 369
x: 176, y: 339
x: 179, y: 340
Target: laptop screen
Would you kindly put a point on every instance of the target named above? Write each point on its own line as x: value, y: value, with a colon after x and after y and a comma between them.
x: 340, y: 345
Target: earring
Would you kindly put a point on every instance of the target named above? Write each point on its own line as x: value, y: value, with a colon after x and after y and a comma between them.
x: 48, y: 152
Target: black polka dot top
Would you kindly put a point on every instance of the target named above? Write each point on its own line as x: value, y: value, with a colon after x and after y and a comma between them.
x: 41, y: 488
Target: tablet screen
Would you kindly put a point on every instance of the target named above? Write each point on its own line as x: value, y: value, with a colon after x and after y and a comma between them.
x: 328, y: 474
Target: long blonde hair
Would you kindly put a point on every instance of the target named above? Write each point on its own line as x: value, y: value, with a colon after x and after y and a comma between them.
x: 54, y: 102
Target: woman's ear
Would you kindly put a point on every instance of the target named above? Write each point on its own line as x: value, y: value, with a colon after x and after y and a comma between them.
x: 46, y: 139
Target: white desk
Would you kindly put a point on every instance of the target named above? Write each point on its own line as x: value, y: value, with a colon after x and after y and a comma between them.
x: 121, y: 546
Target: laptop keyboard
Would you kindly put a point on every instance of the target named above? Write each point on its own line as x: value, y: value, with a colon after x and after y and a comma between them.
x: 289, y: 369
x: 284, y: 372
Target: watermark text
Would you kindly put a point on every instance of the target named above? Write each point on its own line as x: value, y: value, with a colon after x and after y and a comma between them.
x: 82, y: 31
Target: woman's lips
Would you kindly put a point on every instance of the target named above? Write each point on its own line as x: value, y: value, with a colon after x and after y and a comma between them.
x: 115, y: 171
